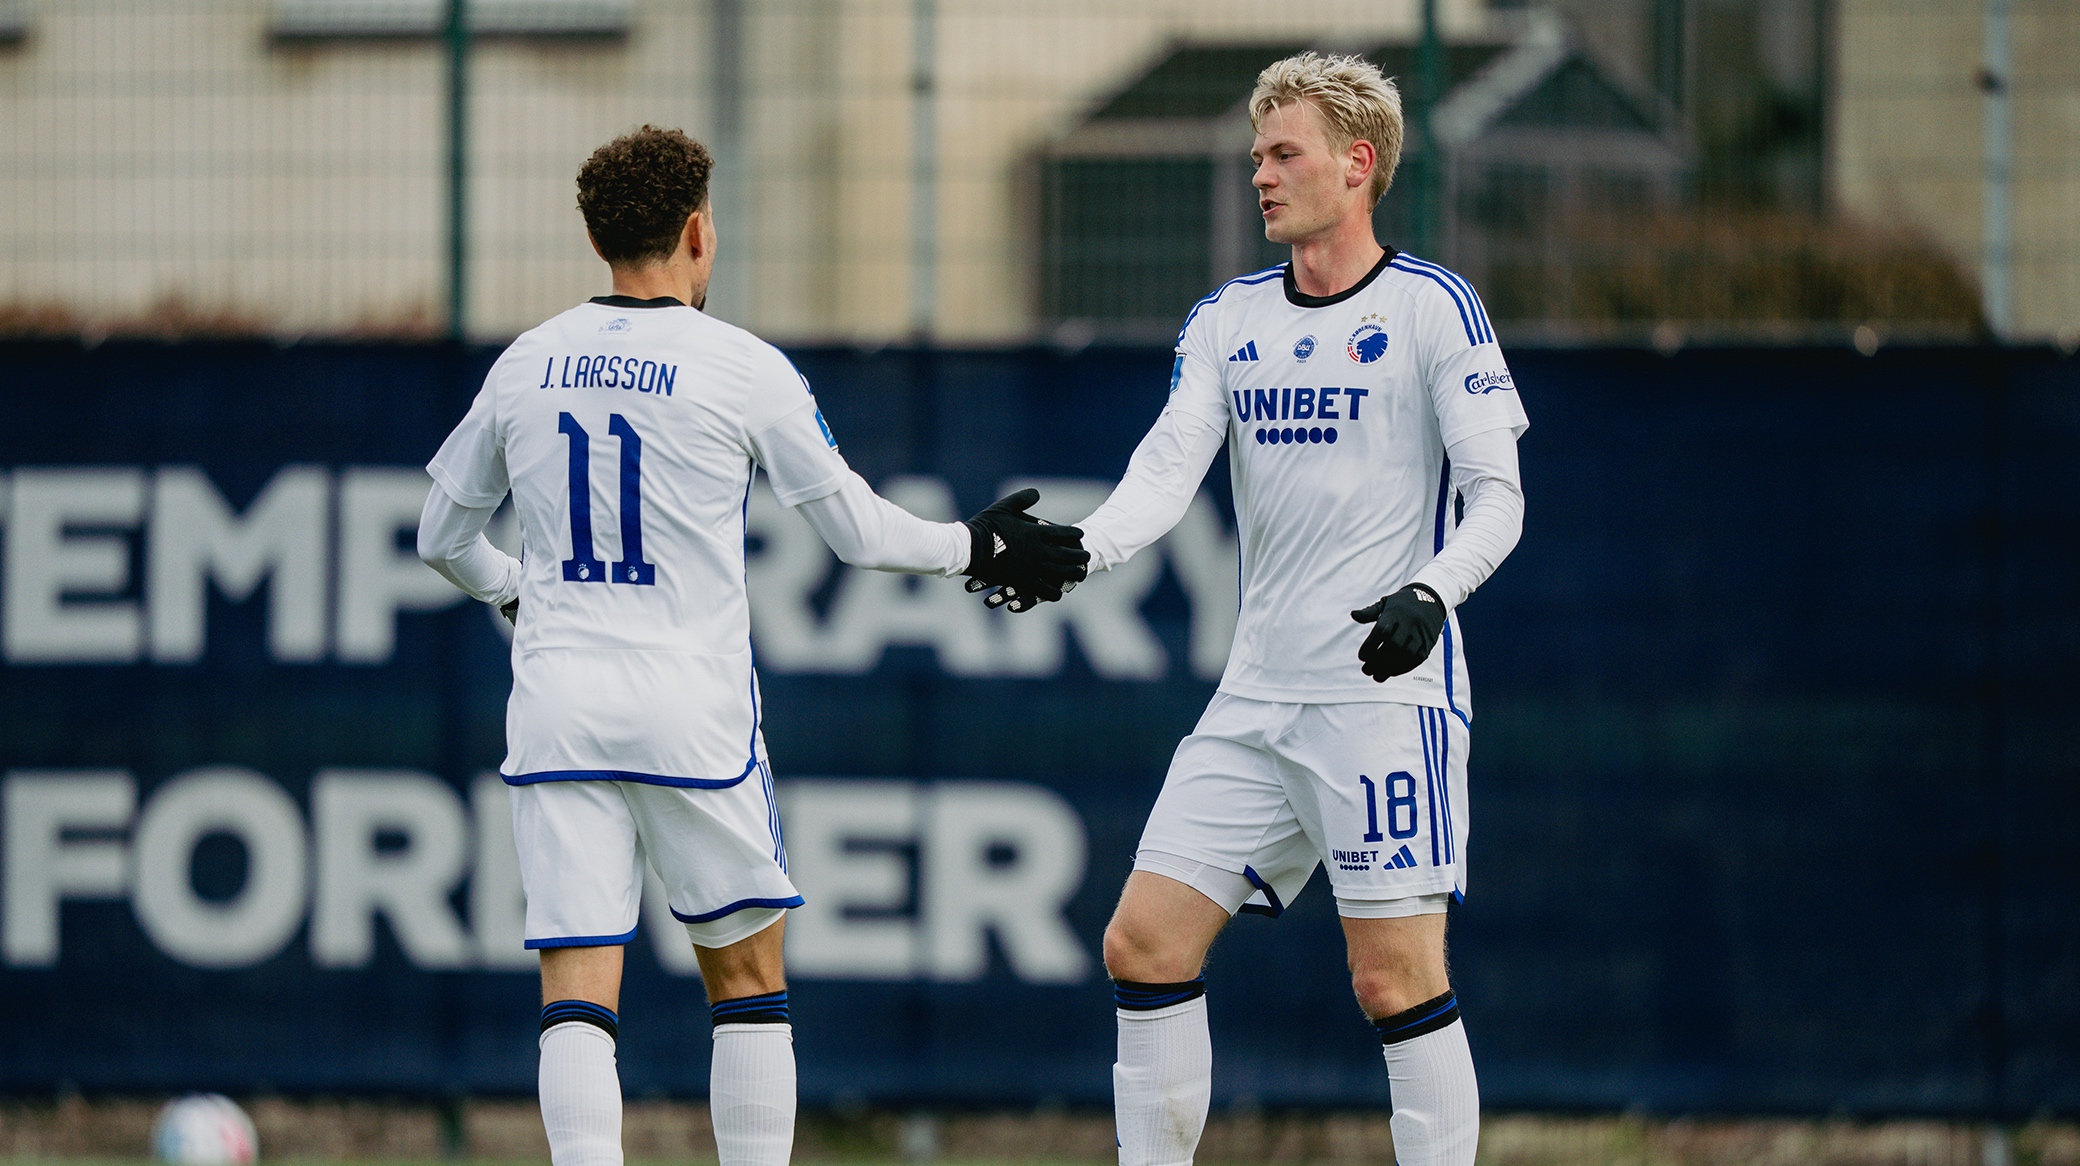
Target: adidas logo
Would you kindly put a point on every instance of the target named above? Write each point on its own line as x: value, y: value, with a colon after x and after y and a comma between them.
x: 1402, y: 860
x: 997, y: 545
x: 1246, y: 352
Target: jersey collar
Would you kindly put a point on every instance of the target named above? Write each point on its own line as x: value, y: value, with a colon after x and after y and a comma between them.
x: 1301, y: 299
x: 659, y: 302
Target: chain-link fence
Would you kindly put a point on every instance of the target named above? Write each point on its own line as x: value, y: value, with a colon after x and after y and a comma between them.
x: 984, y: 171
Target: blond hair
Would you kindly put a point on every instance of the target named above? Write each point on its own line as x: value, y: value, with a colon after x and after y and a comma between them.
x: 1357, y: 103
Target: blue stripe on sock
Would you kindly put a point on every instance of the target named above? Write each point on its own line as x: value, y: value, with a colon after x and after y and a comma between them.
x: 583, y: 1011
x: 770, y: 1008
x: 1426, y: 1017
x: 1135, y: 997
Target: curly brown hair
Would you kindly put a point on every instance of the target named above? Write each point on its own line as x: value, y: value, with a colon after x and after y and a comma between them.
x: 637, y: 191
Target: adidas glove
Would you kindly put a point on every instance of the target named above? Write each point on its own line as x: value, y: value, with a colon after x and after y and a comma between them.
x: 511, y: 610
x: 1405, y: 627
x: 1028, y: 560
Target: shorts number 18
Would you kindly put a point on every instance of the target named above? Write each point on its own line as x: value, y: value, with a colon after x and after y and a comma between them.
x: 1401, y: 799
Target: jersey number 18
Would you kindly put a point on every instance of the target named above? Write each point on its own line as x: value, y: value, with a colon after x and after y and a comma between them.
x: 583, y: 566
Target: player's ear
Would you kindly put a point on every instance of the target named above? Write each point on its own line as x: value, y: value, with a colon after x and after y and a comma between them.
x: 699, y: 238
x: 1359, y: 164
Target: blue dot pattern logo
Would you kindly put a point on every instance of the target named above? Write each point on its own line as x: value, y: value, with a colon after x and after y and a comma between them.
x: 1303, y: 348
x: 1300, y: 435
x: 1368, y: 343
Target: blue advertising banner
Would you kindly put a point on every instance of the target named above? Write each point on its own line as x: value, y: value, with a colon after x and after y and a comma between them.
x: 1773, y: 773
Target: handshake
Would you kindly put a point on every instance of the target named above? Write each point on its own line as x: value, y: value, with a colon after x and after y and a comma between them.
x: 1028, y: 560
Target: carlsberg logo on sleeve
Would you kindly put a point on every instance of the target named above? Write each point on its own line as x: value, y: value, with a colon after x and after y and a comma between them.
x: 1481, y: 383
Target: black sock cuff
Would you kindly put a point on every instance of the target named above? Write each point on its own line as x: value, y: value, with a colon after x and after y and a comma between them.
x: 770, y: 1008
x: 1427, y: 1017
x: 584, y: 1012
x: 1136, y: 997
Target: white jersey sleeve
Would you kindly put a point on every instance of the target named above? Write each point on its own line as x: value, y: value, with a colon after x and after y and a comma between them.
x: 1470, y: 384
x: 452, y: 542
x: 1484, y: 472
x: 471, y: 464
x: 868, y: 531
x: 785, y: 432
x: 1164, y: 474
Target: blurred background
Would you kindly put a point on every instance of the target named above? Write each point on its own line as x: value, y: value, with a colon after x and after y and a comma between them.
x: 1775, y: 775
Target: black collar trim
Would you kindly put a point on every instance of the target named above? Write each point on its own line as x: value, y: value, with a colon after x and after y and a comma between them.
x: 1301, y: 299
x: 632, y: 302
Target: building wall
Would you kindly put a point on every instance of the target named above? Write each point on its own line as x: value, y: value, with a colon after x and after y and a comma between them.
x: 1908, y: 141
x: 172, y: 162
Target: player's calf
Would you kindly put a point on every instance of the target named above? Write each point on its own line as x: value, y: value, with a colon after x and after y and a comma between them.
x: 1398, y: 973
x: 751, y: 1076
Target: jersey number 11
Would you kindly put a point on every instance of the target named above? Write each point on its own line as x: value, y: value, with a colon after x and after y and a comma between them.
x: 582, y: 566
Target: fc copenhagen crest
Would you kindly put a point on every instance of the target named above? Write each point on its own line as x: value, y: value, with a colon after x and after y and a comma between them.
x: 1369, y: 342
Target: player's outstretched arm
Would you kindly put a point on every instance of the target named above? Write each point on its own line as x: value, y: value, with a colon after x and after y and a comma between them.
x: 1001, y: 547
x: 1162, y: 478
x: 452, y: 542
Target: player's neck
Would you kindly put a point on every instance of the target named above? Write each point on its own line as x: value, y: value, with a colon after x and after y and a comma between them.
x: 674, y: 277
x: 1336, y: 259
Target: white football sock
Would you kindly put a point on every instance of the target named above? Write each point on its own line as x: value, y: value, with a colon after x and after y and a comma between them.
x: 1437, y: 1102
x: 751, y: 1094
x: 581, y: 1095
x: 1162, y: 1082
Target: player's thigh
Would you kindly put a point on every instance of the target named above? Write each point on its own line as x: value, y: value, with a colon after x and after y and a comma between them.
x: 1380, y: 791
x: 719, y: 854
x: 1223, y: 824
x: 580, y: 863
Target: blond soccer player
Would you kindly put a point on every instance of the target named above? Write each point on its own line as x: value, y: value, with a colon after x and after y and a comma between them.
x: 1359, y: 391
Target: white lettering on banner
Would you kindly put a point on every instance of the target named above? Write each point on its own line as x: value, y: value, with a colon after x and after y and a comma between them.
x: 42, y: 866
x: 49, y: 566
x: 903, y: 880
x: 263, y: 916
x: 1002, y: 858
x: 194, y: 536
x: 377, y: 576
x: 844, y: 848
x: 992, y: 857
x: 409, y: 885
x: 67, y: 577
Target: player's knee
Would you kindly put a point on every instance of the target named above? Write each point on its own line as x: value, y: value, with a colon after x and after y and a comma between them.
x: 1133, y: 954
x: 1381, y: 993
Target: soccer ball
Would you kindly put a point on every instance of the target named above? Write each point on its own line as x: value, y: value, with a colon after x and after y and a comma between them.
x: 204, y: 1129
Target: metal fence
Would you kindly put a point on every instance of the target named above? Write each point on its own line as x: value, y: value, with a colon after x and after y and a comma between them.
x: 982, y: 171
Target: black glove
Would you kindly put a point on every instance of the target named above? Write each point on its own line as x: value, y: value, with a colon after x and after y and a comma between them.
x: 1405, y: 627
x: 1029, y: 560
x: 511, y: 610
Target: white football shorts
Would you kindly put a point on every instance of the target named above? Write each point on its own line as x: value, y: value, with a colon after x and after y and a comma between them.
x: 583, y: 844
x: 1262, y: 792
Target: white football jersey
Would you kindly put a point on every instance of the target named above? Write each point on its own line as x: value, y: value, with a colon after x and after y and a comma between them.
x: 1338, y: 410
x: 627, y: 431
